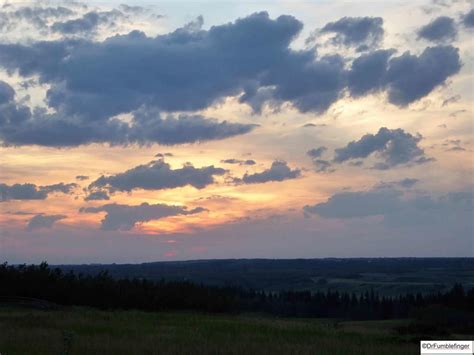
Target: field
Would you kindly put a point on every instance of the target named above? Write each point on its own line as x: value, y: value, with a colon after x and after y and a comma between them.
x: 87, y: 331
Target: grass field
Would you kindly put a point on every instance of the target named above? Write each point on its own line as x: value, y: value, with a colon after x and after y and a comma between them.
x: 87, y: 331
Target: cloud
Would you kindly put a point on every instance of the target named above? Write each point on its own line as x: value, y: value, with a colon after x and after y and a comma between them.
x: 451, y: 100
x: 455, y: 149
x: 150, y: 127
x: 410, y: 77
x: 20, y: 126
x: 316, y: 152
x: 82, y: 177
x: 358, y: 204
x: 87, y: 23
x: 279, y: 171
x: 158, y: 175
x: 468, y: 19
x: 239, y: 161
x: 405, y: 183
x: 453, y: 145
x: 97, y: 195
x: 37, y: 16
x: 393, y: 146
x: 323, y: 166
x: 163, y: 155
x: 441, y: 29
x: 356, y: 31
x: 320, y: 164
x: 406, y: 78
x: 158, y: 81
x: 311, y: 125
x: 43, y: 221
x: 125, y: 217
x: 132, y: 9
x: 7, y: 93
x: 397, y: 210
x: 176, y: 71
x: 31, y: 191
x: 367, y: 74
x: 61, y: 187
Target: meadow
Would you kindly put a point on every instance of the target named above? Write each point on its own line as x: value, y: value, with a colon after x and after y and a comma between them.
x: 78, y: 330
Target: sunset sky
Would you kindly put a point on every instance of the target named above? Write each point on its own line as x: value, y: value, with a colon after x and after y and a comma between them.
x: 198, y: 130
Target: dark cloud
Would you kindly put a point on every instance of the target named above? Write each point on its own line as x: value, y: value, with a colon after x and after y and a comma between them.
x: 87, y: 23
x: 393, y: 146
x: 310, y: 125
x: 31, y: 191
x: 368, y: 72
x: 43, y: 221
x: 406, y: 78
x: 468, y: 19
x: 61, y: 187
x: 457, y: 112
x: 358, y: 204
x: 356, y: 31
x: 279, y: 171
x: 397, y: 210
x: 150, y: 127
x: 158, y: 175
x: 91, y: 83
x: 7, y: 94
x: 20, y: 126
x: 320, y: 164
x: 455, y: 149
x: 163, y: 155
x: 36, y: 16
x: 239, y: 161
x: 10, y: 112
x: 441, y: 29
x: 97, y: 195
x: 451, y: 100
x: 356, y: 163
x: 132, y: 9
x: 176, y: 71
x: 82, y: 177
x: 125, y: 217
x: 218, y: 199
x: 405, y: 183
x: 453, y: 145
x: 21, y: 213
x: 323, y: 166
x: 316, y: 152
x: 21, y: 192
x: 410, y: 77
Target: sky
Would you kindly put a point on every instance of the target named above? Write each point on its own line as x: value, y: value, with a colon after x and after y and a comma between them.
x: 147, y: 131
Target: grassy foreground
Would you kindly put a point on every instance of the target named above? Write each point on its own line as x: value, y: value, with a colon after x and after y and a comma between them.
x: 88, y: 331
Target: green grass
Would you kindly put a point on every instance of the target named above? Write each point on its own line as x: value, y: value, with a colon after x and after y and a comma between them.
x: 87, y: 331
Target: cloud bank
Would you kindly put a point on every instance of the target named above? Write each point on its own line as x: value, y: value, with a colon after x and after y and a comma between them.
x: 160, y: 81
x: 399, y: 211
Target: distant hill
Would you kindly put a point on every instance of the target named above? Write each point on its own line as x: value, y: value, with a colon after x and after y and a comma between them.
x: 388, y: 276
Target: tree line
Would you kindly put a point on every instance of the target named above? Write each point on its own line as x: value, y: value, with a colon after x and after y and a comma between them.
x: 105, y: 292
